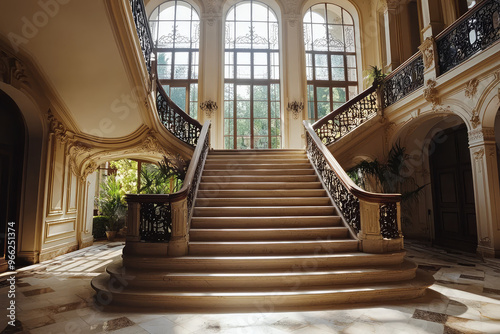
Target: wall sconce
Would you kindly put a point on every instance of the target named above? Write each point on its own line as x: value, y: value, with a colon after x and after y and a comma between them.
x: 209, y: 107
x: 296, y: 108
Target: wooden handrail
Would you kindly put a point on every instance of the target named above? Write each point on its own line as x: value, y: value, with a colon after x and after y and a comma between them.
x: 188, y: 180
x: 345, y: 179
x: 403, y: 65
x: 343, y: 107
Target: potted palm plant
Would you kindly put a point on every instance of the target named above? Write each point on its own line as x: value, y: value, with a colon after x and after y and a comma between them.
x: 112, y: 205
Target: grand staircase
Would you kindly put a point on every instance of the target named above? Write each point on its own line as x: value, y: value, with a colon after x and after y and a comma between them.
x: 264, y: 236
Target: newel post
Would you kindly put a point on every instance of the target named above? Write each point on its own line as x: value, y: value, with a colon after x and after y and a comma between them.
x: 178, y: 245
x: 133, y: 222
x: 370, y: 234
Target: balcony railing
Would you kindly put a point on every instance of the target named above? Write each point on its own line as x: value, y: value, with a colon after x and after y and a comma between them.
x: 375, y: 217
x: 404, y: 80
x: 474, y: 31
x: 166, y: 217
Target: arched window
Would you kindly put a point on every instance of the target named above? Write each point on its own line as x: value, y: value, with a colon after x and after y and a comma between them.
x: 251, y: 77
x: 330, y: 59
x: 175, y: 26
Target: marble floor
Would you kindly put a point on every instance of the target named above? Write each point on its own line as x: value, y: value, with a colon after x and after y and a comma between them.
x: 55, y: 297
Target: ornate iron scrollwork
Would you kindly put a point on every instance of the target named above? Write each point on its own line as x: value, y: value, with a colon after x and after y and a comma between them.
x: 389, y: 220
x: 143, y: 31
x: 477, y: 30
x: 346, y: 202
x: 347, y: 118
x: 156, y: 221
x: 404, y: 81
x: 175, y: 120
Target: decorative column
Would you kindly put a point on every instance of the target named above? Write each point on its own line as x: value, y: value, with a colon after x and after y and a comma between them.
x: 432, y: 18
x: 392, y: 24
x: 210, y: 77
x: 486, y: 190
x: 293, y: 58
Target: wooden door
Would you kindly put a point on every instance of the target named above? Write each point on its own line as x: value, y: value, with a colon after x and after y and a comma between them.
x: 453, y: 191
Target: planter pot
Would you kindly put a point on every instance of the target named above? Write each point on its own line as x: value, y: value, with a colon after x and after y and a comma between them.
x: 110, y: 235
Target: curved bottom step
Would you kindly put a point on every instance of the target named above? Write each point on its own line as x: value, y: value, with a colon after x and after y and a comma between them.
x: 111, y: 293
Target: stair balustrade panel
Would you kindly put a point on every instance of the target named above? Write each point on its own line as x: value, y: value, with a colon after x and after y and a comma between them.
x: 474, y: 31
x: 404, y: 80
x: 348, y: 117
x: 348, y: 196
x: 156, y: 219
x: 175, y: 120
x: 143, y: 30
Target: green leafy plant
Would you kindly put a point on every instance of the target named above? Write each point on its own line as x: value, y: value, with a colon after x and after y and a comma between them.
x: 391, y: 176
x: 166, y: 177
x: 112, y: 204
x: 99, y: 224
x: 374, y: 76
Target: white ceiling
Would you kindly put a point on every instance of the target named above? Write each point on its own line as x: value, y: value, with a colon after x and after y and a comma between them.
x: 75, y: 49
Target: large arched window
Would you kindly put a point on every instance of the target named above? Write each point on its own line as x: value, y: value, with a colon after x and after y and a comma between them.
x: 330, y: 58
x: 175, y: 26
x: 251, y: 77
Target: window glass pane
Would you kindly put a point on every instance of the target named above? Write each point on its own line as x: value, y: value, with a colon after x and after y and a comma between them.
x: 353, y: 91
x: 228, y: 109
x: 243, y: 127
x: 336, y: 38
x: 321, y: 60
x: 243, y: 143
x: 243, y: 92
x: 334, y: 14
x: 183, y: 11
x: 243, y: 11
x: 181, y: 72
x: 228, y: 92
x: 337, y: 61
x: 338, y: 74
x: 351, y: 61
x: 349, y: 38
x: 347, y: 18
x: 228, y: 143
x: 166, y: 34
x: 260, y: 72
x: 323, y: 109
x: 275, y: 109
x: 178, y: 96
x: 351, y: 74
x: 260, y: 109
x: 167, y: 11
x: 275, y: 142
x: 260, y: 93
x: 228, y: 126
x: 243, y: 109
x: 261, y: 142
x: 275, y: 127
x: 243, y: 72
x: 164, y: 71
x: 321, y: 73
x: 260, y: 58
x: 323, y: 93
x: 318, y: 13
x: 260, y: 127
x: 338, y: 94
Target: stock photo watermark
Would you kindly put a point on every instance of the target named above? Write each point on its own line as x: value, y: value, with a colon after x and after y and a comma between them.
x: 10, y: 257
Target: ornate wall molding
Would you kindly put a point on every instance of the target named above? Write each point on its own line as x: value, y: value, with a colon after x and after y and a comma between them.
x: 431, y: 92
x: 427, y: 49
x: 12, y: 70
x: 478, y: 158
x: 481, y: 135
x: 57, y: 128
x: 75, y: 151
x: 475, y: 121
x: 89, y: 169
x: 471, y: 88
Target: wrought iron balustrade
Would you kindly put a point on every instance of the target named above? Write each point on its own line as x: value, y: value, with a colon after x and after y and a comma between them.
x: 143, y: 31
x: 347, y: 117
x: 356, y: 206
x: 175, y: 120
x: 161, y: 217
x: 404, y: 80
x: 474, y: 31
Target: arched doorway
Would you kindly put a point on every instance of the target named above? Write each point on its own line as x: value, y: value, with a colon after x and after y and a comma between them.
x: 12, y: 134
x: 453, y: 190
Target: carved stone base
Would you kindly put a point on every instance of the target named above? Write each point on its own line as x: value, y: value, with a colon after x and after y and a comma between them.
x: 381, y: 245
x: 178, y: 246
x: 86, y: 241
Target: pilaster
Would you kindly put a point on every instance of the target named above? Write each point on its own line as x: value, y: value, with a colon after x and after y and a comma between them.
x: 483, y: 152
